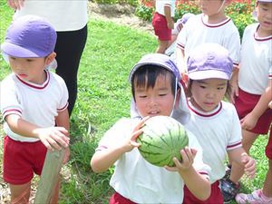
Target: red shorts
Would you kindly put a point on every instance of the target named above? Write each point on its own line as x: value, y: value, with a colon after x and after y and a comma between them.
x: 160, y: 27
x: 245, y: 103
x: 21, y: 160
x: 216, y: 195
x: 116, y: 198
x: 268, y: 149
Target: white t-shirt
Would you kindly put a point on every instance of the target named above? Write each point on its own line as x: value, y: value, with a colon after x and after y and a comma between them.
x: 196, y: 32
x: 64, y: 15
x: 217, y: 131
x: 37, y: 104
x: 256, y: 61
x: 136, y: 179
x: 160, y: 6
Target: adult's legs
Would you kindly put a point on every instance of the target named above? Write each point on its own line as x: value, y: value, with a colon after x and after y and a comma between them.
x: 69, y: 48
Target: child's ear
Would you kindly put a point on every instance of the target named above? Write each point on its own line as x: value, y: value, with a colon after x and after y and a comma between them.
x: 50, y: 58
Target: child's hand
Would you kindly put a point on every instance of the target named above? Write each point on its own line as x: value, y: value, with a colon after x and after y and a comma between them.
x: 54, y: 138
x: 270, y: 105
x: 131, y: 143
x: 250, y: 165
x: 188, y: 156
x: 249, y: 121
x: 16, y: 4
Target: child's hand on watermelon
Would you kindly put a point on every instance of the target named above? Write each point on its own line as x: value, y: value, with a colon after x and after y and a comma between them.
x: 135, y: 134
x: 187, y: 155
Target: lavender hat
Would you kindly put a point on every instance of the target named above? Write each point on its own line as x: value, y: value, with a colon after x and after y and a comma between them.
x: 209, y: 60
x: 156, y: 59
x: 29, y: 36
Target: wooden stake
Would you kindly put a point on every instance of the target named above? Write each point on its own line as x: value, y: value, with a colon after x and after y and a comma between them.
x: 50, y: 176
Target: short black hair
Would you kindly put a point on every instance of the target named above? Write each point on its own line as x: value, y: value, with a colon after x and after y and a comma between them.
x: 147, y: 75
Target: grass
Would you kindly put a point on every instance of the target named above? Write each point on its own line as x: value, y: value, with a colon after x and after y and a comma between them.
x: 104, y: 97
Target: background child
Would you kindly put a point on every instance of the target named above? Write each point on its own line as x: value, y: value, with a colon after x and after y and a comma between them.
x: 264, y: 195
x: 34, y: 104
x: 214, y: 121
x: 163, y: 23
x: 171, y: 49
x: 154, y: 80
x: 253, y: 82
x: 211, y: 26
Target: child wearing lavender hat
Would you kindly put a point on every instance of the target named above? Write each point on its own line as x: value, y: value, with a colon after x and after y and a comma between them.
x: 33, y: 103
x: 213, y: 121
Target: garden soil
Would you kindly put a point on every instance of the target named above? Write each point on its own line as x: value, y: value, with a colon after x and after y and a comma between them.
x: 119, y: 14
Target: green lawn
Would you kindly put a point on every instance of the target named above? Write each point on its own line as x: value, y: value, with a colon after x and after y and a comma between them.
x: 104, y: 97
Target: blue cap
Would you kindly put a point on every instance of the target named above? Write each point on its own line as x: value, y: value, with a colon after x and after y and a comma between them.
x: 29, y: 36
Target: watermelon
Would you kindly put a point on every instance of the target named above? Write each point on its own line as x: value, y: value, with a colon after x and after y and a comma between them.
x: 162, y: 139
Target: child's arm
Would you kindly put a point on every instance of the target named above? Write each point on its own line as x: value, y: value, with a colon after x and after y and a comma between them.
x: 234, y: 84
x: 103, y: 159
x: 51, y: 137
x: 62, y: 120
x: 250, y: 120
x: 169, y: 19
x: 240, y: 157
x: 198, y: 184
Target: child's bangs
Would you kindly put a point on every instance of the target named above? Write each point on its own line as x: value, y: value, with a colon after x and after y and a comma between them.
x: 146, y: 76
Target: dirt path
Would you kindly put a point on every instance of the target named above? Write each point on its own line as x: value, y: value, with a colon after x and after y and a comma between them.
x: 120, y: 14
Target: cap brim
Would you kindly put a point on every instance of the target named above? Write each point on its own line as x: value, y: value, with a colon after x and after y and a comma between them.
x: 18, y: 51
x: 208, y: 74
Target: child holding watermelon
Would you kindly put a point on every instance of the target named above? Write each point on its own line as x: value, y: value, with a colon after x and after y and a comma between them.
x: 214, y: 121
x: 155, y: 91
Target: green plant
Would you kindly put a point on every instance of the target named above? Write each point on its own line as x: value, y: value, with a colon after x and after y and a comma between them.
x: 144, y: 12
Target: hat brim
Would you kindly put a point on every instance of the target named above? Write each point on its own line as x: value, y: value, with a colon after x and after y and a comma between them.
x: 18, y: 51
x: 208, y: 74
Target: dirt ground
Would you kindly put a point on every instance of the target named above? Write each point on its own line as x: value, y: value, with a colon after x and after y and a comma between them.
x: 120, y: 14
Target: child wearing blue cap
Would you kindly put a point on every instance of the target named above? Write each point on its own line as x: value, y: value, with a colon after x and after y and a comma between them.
x: 156, y: 91
x: 253, y: 92
x: 33, y: 103
x: 215, y: 122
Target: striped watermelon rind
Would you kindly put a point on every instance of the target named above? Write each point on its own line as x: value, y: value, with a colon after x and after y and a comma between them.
x: 162, y: 139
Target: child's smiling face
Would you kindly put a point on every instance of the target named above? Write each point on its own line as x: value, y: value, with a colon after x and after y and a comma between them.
x: 157, y: 100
